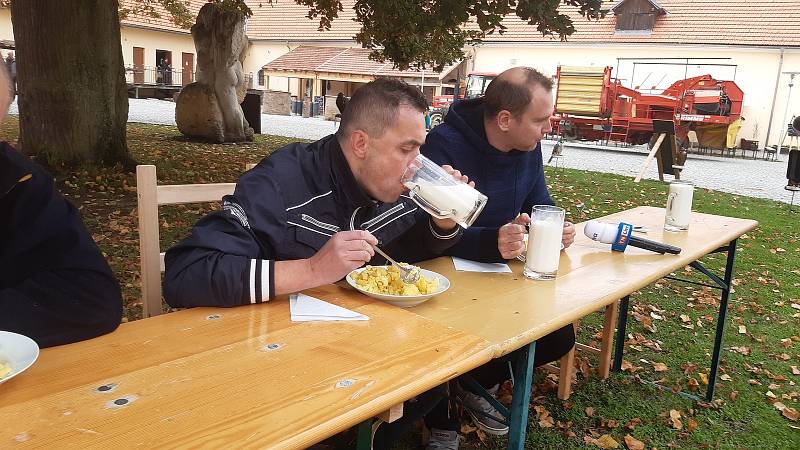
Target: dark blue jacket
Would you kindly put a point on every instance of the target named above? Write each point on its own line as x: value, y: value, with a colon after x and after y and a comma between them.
x: 286, y: 208
x: 55, y: 285
x: 513, y: 181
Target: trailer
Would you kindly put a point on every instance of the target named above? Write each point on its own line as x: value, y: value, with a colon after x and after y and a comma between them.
x: 592, y: 105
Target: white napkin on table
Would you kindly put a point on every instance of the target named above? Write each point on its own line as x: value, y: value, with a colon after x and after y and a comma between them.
x: 466, y: 265
x: 305, y: 308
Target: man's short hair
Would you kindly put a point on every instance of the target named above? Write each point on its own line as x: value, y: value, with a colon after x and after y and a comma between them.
x: 506, y: 93
x: 373, y: 107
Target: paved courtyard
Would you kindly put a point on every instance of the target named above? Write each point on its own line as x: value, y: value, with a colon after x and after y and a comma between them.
x: 754, y: 178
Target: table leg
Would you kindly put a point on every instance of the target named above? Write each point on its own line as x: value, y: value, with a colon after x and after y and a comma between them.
x: 523, y: 377
x: 620, y: 340
x: 723, y: 311
x: 364, y: 440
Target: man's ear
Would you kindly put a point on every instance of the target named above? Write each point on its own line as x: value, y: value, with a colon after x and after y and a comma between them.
x: 358, y: 141
x: 503, y: 120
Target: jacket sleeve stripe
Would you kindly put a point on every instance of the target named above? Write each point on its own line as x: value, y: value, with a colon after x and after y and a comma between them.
x: 252, y: 281
x: 266, y: 281
x: 437, y: 235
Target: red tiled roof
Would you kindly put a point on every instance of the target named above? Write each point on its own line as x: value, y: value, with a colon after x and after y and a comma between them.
x: 724, y: 22
x: 164, y: 22
x: 287, y: 21
x: 347, y: 60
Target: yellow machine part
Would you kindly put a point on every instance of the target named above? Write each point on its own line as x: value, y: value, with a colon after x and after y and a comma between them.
x: 733, y: 131
x: 579, y: 90
x: 712, y: 135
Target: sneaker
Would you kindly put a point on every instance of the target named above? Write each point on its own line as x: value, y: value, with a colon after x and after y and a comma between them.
x: 473, y: 402
x: 443, y: 440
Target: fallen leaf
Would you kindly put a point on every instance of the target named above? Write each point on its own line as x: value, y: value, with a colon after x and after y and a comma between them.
x: 795, y: 370
x: 633, y: 423
x: 771, y: 395
x: 660, y: 367
x: 685, y: 318
x: 691, y: 425
x: 633, y: 443
x: 675, y: 418
x: 589, y: 411
x: 791, y: 414
x: 606, y: 441
x: 703, y: 377
x: 725, y: 377
x: 733, y: 395
x: 742, y: 329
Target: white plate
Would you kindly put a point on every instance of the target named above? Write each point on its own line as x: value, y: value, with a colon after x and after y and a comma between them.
x: 403, y: 301
x: 19, y: 351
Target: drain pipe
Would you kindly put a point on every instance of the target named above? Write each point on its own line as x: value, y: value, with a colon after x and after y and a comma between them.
x: 774, y: 98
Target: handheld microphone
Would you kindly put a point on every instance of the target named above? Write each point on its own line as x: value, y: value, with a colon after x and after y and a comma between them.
x: 620, y: 236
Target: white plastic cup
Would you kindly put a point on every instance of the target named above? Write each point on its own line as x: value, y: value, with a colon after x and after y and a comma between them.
x: 679, y: 206
x: 544, y: 242
x: 441, y: 195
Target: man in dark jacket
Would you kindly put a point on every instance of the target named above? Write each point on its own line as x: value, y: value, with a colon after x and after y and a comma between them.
x: 309, y: 214
x: 55, y: 286
x: 495, y: 140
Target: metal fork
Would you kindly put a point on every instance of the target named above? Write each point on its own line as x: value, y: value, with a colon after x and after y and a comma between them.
x: 408, y: 275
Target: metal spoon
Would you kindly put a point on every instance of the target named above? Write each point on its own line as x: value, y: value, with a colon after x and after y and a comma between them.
x: 408, y: 275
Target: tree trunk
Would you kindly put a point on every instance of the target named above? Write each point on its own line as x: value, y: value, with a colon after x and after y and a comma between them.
x: 73, y: 100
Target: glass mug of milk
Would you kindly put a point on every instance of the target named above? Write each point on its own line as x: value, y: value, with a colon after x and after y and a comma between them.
x: 544, y: 242
x: 441, y: 195
x: 679, y: 206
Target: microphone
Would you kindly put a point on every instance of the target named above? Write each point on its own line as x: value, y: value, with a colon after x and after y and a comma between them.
x: 620, y: 236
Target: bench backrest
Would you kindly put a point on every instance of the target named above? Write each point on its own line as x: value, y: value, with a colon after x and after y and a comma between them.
x: 149, y: 197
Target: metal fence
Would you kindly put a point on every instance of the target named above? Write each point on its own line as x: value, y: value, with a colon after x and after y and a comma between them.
x: 148, y: 75
x: 154, y: 76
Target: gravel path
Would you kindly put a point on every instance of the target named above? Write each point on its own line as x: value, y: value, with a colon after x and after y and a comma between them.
x: 753, y: 178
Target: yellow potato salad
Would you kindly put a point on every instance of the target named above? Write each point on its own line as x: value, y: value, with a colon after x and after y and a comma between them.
x: 5, y: 369
x: 380, y: 280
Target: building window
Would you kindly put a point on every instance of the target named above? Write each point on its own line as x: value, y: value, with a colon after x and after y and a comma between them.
x: 261, y: 77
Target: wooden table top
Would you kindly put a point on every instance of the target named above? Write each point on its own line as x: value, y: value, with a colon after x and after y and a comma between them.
x: 510, y: 311
x: 209, y: 377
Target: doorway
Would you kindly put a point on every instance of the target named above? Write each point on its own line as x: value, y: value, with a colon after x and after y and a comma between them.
x: 187, y: 68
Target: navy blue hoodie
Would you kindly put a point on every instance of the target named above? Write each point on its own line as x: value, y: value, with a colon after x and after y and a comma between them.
x: 513, y: 181
x: 55, y: 285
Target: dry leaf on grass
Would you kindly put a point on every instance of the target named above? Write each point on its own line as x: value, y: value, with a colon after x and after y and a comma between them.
x: 633, y: 443
x: 604, y: 441
x: 633, y: 423
x: 675, y: 419
x: 742, y: 329
x: 660, y: 367
x: 691, y: 424
x: 589, y: 411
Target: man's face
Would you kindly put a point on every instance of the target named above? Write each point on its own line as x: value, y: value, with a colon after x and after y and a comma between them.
x: 388, y: 156
x: 528, y: 128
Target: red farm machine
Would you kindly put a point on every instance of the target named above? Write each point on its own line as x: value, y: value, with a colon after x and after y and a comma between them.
x: 591, y: 105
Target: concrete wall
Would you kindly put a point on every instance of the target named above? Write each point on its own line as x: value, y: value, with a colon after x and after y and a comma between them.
x: 6, y: 29
x: 756, y: 72
x: 275, y: 102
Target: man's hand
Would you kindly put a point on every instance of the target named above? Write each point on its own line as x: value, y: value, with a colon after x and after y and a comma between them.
x: 344, y: 252
x: 511, y: 237
x: 448, y: 224
x: 568, y: 236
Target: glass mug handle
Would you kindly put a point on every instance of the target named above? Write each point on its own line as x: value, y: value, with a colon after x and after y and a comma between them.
x: 670, y: 197
x: 427, y: 206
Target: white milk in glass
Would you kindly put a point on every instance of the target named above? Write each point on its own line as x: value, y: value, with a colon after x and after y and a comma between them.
x: 679, y: 206
x: 457, y: 201
x: 544, y: 243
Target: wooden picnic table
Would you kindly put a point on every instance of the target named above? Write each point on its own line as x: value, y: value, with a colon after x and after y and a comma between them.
x: 243, y: 377
x: 512, y: 312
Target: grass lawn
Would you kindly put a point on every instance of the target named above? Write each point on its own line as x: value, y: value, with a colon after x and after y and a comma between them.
x: 670, y: 338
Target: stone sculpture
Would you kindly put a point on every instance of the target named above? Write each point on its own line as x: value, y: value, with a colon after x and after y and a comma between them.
x: 210, y: 108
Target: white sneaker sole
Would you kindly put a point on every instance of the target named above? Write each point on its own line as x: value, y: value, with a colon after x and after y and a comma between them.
x: 486, y: 429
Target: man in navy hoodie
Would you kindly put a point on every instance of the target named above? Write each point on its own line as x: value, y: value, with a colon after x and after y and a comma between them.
x: 55, y: 286
x: 495, y: 141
